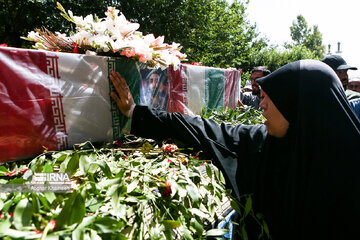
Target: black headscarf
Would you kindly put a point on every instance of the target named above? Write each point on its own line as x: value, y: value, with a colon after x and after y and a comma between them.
x: 310, y: 185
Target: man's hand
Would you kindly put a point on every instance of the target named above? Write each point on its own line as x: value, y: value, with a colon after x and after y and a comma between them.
x: 122, y: 97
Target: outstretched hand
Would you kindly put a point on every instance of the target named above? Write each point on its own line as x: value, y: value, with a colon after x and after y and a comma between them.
x: 122, y: 97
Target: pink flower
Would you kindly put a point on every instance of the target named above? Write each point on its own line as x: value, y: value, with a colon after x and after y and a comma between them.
x: 142, y: 58
x: 194, y: 63
x: 158, y: 41
x: 2, y: 216
x: 52, y: 224
x: 37, y: 231
x: 13, y: 172
x: 23, y: 170
x: 128, y: 52
x: 3, y: 45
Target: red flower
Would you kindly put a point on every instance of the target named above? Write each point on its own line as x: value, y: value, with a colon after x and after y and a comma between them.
x: 75, y: 48
x: 37, y: 231
x: 23, y: 170
x: 2, y: 216
x: 165, y: 190
x: 125, y: 157
x: 169, y: 148
x: 118, y: 143
x: 13, y: 172
x: 11, y: 214
x: 196, y: 64
x: 52, y: 224
x: 3, y: 45
x: 169, y: 160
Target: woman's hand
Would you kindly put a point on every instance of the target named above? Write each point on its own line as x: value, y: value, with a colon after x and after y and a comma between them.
x: 122, y: 97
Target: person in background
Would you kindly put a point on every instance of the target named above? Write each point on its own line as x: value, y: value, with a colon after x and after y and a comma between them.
x: 247, y: 87
x: 354, y: 84
x: 295, y: 166
x: 253, y: 98
x: 338, y: 64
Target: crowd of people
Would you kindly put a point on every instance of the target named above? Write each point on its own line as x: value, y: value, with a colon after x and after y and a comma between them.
x: 301, y: 166
x: 336, y: 62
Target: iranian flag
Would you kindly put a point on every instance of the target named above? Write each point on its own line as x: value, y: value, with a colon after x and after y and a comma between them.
x: 191, y: 88
x: 51, y: 101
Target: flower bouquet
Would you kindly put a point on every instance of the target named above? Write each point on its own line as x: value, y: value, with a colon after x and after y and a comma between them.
x: 113, y: 35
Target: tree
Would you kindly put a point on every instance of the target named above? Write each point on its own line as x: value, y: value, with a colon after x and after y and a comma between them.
x: 212, y: 32
x: 311, y: 38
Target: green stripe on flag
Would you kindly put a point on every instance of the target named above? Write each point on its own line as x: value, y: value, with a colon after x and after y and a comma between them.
x: 214, y: 90
x: 129, y: 69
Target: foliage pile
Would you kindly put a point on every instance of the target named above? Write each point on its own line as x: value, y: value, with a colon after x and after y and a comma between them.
x: 128, y: 189
x: 240, y: 115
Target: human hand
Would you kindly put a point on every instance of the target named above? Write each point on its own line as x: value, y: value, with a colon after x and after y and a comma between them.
x: 122, y: 97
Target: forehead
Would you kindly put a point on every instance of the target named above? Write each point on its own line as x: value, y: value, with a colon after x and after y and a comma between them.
x: 257, y: 74
x: 355, y: 83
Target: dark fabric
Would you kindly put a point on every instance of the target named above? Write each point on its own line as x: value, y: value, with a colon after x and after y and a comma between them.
x: 323, y: 170
x: 250, y: 100
x: 306, y: 184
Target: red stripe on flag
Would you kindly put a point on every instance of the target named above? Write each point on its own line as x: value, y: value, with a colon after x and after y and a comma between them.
x: 177, y: 101
x: 231, y: 91
x: 26, y: 107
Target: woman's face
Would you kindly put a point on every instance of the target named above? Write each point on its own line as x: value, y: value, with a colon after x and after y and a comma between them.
x: 276, y: 123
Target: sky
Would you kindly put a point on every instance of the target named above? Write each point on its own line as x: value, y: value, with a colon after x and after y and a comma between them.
x: 337, y: 20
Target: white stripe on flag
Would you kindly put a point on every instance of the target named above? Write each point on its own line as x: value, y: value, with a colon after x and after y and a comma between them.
x: 86, y: 100
x: 196, y: 88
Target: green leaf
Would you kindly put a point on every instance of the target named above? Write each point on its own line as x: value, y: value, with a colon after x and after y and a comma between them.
x: 199, y: 213
x: 73, y: 210
x: 244, y: 233
x: 266, y: 228
x: 84, y: 164
x: 87, y: 221
x: 208, y: 170
x: 4, y: 225
x: 248, y: 205
x: 216, y: 232
x: 108, y: 225
x: 235, y: 205
x: 193, y: 193
x: 105, y: 168
x: 171, y: 224
x: 187, y: 234
x: 73, y: 163
x: 3, y: 169
x: 132, y: 186
x: 50, y: 196
x: 16, y: 234
x: 23, y: 214
x: 197, y: 226
x: 47, y: 168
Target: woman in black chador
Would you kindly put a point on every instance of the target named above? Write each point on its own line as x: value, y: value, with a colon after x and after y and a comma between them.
x: 302, y: 166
